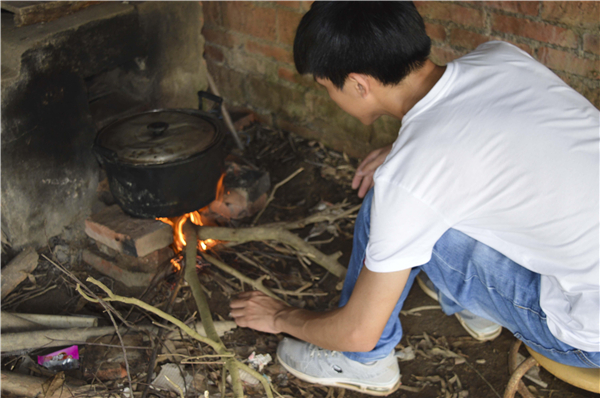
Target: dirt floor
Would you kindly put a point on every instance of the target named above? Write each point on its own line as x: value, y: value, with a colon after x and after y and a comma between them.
x: 447, y: 362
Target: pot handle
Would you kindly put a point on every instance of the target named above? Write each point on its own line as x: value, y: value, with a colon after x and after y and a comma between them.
x: 216, y: 109
x: 103, y: 154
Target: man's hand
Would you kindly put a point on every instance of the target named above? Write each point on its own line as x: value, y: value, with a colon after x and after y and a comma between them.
x: 357, y: 326
x: 363, y: 178
x: 257, y: 311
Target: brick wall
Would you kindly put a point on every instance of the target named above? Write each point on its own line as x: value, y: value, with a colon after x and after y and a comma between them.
x: 249, y: 53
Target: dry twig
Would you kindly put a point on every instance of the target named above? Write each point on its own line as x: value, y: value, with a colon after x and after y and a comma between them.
x: 329, y: 215
x: 161, y: 332
x: 329, y: 262
x: 416, y: 310
x: 109, y: 310
x: 231, y: 364
x: 256, y: 284
x: 272, y: 195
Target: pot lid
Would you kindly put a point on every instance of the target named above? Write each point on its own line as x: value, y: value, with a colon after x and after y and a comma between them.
x: 159, y: 136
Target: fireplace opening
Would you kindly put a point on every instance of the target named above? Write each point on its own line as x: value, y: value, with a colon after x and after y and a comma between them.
x: 76, y: 68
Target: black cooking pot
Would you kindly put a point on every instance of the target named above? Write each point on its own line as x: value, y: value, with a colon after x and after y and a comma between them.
x: 165, y: 162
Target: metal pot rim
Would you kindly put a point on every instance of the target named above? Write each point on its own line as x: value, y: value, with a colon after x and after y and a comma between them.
x: 111, y: 156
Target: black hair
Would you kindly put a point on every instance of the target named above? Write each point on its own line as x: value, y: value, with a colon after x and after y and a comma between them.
x: 385, y: 40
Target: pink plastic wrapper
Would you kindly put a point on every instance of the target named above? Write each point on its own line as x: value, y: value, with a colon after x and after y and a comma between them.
x: 64, y: 359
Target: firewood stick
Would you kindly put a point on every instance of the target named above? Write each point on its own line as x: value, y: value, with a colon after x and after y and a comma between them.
x: 181, y: 325
x: 153, y: 356
x: 191, y: 277
x: 241, y: 235
x: 109, y: 310
x: 112, y: 319
x: 53, y: 337
x: 226, y: 116
x: 300, y: 294
x: 222, y: 327
x: 232, y: 365
x: 325, y: 215
x: 256, y: 284
x: 79, y: 286
x: 263, y: 269
x: 128, y: 300
x: 17, y: 270
x: 31, y: 386
x: 11, y: 321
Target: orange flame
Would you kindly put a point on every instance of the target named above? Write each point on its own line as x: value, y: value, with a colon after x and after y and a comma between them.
x: 177, y: 224
x: 175, y: 264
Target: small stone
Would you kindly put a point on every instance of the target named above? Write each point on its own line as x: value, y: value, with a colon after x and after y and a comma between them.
x: 62, y: 254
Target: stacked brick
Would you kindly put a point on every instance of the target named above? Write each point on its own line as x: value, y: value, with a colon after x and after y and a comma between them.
x: 249, y: 53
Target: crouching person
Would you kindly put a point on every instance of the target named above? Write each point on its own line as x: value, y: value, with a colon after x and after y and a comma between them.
x: 489, y: 193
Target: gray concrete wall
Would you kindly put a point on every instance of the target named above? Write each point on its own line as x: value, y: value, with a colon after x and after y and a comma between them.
x: 49, y: 174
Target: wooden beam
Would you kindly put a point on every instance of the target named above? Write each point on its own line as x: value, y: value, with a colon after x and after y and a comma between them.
x: 32, y: 12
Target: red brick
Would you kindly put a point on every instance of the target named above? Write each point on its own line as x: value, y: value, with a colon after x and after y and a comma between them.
x: 292, y: 76
x: 451, y: 12
x: 108, y: 266
x: 567, y: 62
x: 591, y: 43
x: 287, y: 23
x: 530, y: 8
x: 585, y: 14
x: 296, y: 5
x: 149, y: 263
x: 467, y: 39
x: 535, y: 30
x: 435, y: 31
x: 230, y: 82
x: 443, y: 55
x: 133, y: 236
x: 243, y: 121
x: 220, y: 38
x: 288, y: 75
x: 214, y: 53
x: 212, y: 12
x: 247, y: 17
x: 307, y: 4
x: 278, y: 53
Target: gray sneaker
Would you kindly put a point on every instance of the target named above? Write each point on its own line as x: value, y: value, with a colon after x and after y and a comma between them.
x: 479, y: 328
x: 331, y: 368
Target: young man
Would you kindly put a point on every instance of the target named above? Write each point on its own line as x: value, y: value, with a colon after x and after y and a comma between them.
x: 491, y: 189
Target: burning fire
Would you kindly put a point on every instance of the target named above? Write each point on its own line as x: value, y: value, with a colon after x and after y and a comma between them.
x: 178, y: 237
x: 177, y: 224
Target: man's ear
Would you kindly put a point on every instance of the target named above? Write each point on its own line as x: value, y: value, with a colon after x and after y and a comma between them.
x: 361, y: 83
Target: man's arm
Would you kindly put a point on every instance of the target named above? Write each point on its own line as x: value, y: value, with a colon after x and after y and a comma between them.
x: 355, y: 327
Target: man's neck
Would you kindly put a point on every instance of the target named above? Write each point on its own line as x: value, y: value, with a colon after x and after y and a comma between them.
x: 397, y: 100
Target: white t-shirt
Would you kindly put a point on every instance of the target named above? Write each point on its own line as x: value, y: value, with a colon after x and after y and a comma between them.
x: 504, y: 151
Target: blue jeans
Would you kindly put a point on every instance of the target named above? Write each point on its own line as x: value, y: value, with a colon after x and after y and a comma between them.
x: 473, y: 276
